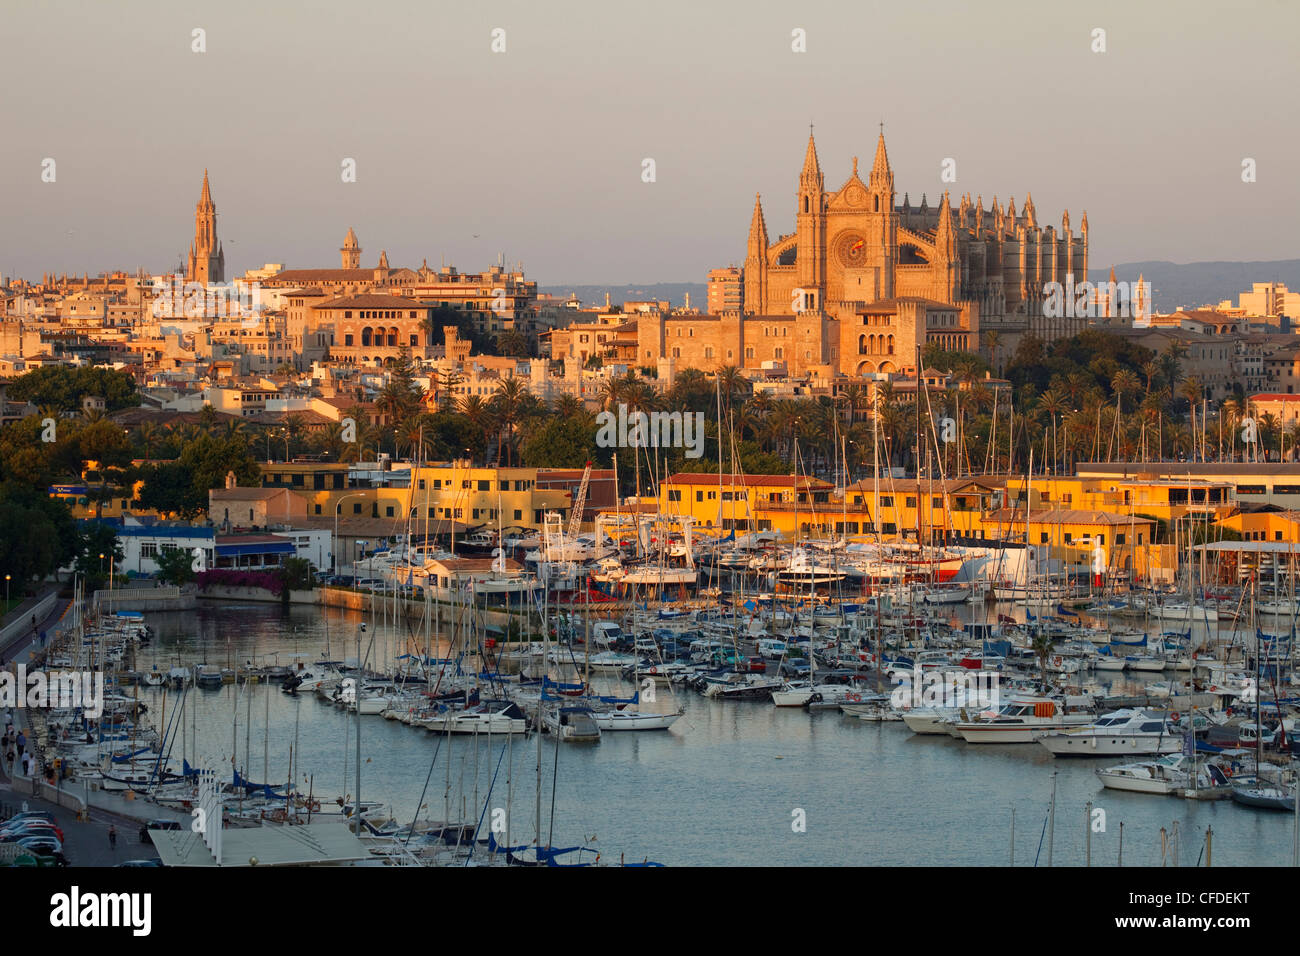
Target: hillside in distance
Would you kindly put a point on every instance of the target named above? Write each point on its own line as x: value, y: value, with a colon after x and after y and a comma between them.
x: 1174, y: 285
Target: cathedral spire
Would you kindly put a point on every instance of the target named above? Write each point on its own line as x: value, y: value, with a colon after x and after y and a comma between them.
x: 1065, y: 223
x: 1031, y: 221
x: 1011, y: 208
x: 812, y: 170
x: 206, y: 264
x: 880, y: 171
x: 943, y: 235
x: 757, y: 225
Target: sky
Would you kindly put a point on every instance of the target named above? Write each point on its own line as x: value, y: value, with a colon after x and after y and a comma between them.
x: 537, y: 153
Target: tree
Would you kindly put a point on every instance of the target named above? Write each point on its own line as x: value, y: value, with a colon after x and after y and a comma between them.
x: 181, y: 487
x: 563, y: 443
x: 37, y: 533
x: 93, y: 539
x: 1042, y: 646
x: 64, y: 387
x: 175, y: 566
x: 295, y: 574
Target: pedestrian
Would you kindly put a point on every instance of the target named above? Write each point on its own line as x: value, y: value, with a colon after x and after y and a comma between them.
x: 112, y: 837
x: 22, y: 743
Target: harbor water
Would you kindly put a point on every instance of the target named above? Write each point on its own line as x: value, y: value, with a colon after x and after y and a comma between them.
x: 731, y: 783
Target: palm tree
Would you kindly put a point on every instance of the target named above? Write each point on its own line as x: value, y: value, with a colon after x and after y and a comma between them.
x: 733, y: 385
x: 149, y: 435
x: 992, y: 340
x: 1042, y: 645
x: 507, y: 404
x: 1192, y: 391
x: 1052, y: 404
x: 568, y: 406
x: 479, y: 414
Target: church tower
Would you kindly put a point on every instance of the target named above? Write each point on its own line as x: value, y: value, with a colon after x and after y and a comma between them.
x: 351, y: 251
x: 756, y: 261
x: 882, y: 239
x: 947, y: 265
x: 207, y: 261
x: 810, y: 227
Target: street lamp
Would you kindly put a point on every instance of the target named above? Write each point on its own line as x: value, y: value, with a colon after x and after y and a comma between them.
x: 334, y: 542
x: 6, y: 594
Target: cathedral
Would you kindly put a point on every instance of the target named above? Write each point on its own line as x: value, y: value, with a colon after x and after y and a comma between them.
x: 883, y: 277
x: 207, y: 263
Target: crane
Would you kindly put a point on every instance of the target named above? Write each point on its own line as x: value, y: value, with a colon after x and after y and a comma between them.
x: 579, y: 500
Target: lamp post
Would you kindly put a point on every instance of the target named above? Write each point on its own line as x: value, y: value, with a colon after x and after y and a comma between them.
x: 7, y: 593
x: 334, y: 543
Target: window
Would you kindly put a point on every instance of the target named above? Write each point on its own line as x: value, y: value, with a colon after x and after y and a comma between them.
x: 699, y: 496
x: 356, y: 508
x: 909, y: 502
x: 519, y: 515
x: 148, y: 550
x: 675, y: 494
x: 1042, y: 537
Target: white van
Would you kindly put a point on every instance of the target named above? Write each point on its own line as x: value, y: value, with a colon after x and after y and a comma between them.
x: 771, y: 648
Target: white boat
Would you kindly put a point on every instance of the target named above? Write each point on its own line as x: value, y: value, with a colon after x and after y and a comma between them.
x: 572, y: 724
x: 633, y: 720
x: 1166, y: 775
x: 1128, y: 731
x: 488, y: 717
x: 612, y: 661
x: 1020, y: 721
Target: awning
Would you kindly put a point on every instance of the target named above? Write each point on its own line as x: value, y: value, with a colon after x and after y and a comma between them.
x: 265, y: 547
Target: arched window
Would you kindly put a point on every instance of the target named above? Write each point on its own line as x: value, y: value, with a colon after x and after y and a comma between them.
x: 877, y: 204
x: 366, y: 334
x: 392, y: 338
x: 862, y: 345
x: 891, y: 345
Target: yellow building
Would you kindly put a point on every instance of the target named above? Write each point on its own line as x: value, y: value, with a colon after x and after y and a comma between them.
x: 1074, y: 536
x: 741, y: 502
x: 1167, y: 499
x: 508, y: 497
x: 450, y: 491
x: 1265, y: 524
x: 782, y: 503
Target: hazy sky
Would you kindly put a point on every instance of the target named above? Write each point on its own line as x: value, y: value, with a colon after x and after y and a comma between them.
x: 537, y: 152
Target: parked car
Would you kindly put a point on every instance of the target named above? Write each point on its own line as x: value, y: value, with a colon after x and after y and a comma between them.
x: 42, y: 844
x: 163, y: 825
x: 30, y: 828
x: 30, y: 815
